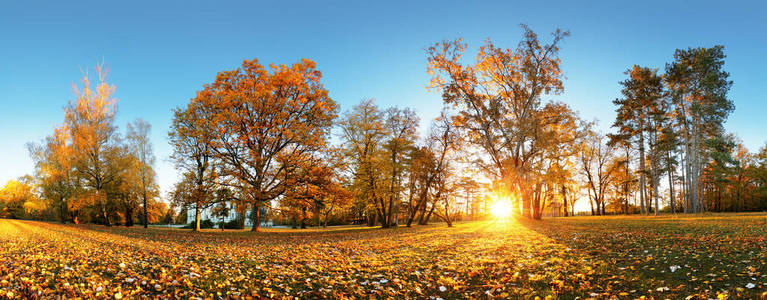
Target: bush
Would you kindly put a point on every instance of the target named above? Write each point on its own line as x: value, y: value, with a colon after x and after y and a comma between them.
x: 233, y: 224
x: 204, y: 224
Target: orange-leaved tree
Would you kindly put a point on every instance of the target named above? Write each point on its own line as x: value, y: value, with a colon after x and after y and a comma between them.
x: 266, y: 124
x: 95, y: 144
x: 499, y: 101
x: 192, y: 155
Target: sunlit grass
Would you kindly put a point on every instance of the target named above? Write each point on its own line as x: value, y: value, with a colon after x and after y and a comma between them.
x: 625, y: 257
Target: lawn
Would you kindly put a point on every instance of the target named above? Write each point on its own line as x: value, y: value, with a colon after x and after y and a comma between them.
x: 589, y: 257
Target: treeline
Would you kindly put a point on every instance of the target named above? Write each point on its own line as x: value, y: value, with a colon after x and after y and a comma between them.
x: 87, y: 170
x: 671, y: 125
x: 258, y: 140
x: 269, y: 140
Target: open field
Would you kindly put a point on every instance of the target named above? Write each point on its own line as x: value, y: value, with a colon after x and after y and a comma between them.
x: 624, y: 257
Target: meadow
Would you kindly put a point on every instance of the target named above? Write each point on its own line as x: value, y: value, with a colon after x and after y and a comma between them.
x: 676, y: 257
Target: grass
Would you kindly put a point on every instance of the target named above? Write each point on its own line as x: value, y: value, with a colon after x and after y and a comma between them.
x: 705, y: 256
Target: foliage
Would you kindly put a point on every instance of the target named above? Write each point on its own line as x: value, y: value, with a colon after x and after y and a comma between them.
x: 500, y: 106
x: 18, y: 200
x: 263, y: 126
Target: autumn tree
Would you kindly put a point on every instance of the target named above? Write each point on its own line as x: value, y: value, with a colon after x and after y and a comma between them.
x: 421, y: 177
x: 53, y: 168
x: 125, y: 188
x: 18, y: 199
x: 141, y: 148
x: 95, y: 142
x: 265, y: 124
x: 560, y: 129
x: 193, y: 156
x: 499, y: 100
x: 401, y: 127
x: 362, y: 133
x: 598, y: 167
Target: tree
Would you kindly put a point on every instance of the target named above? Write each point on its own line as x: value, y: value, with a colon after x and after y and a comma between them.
x: 443, y: 142
x: 95, y: 142
x: 221, y: 210
x: 18, y: 199
x: 560, y: 130
x: 639, y: 115
x: 193, y: 156
x: 141, y: 148
x: 401, y: 127
x: 126, y: 187
x: 597, y: 166
x: 53, y: 168
x: 265, y: 124
x: 362, y: 134
x: 498, y: 99
x: 698, y: 87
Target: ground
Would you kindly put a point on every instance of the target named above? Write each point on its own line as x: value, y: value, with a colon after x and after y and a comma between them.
x: 706, y: 256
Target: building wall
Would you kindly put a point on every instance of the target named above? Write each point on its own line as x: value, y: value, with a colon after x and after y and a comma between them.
x: 207, y: 214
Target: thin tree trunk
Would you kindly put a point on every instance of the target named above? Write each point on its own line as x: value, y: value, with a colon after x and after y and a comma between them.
x: 146, y: 214
x: 670, y: 182
x: 642, y: 169
x: 62, y: 210
x: 564, y: 199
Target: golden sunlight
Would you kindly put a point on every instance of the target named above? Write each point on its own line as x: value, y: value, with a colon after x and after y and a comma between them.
x: 501, y: 209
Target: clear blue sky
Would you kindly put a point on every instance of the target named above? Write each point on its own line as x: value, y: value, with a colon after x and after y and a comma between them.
x: 159, y: 53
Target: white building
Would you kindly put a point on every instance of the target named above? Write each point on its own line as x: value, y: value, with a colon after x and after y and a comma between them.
x: 207, y: 214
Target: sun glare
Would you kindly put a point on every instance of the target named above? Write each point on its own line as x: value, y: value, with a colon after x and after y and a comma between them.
x: 501, y: 209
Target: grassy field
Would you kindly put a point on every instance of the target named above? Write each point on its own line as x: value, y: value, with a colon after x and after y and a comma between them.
x: 706, y: 256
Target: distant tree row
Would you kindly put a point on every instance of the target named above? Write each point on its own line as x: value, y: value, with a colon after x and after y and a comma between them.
x: 674, y: 122
x: 86, y: 171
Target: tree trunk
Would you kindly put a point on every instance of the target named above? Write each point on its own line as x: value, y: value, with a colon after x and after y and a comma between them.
x: 62, y: 210
x: 655, y: 180
x: 105, y: 214
x: 128, y: 215
x: 256, y: 216
x: 670, y: 182
x: 626, y: 184
x: 537, y: 202
x: 146, y: 215
x: 428, y: 216
x: 526, y: 204
x: 197, y: 216
x: 564, y: 199
x: 642, y: 185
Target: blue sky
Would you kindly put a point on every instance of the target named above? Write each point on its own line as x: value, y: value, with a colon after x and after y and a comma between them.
x: 159, y: 53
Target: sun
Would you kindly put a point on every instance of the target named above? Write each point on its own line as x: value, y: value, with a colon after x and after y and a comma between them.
x: 501, y: 209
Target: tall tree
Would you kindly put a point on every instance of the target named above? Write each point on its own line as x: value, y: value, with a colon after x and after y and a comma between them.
x: 363, y: 134
x: 95, y: 142
x: 596, y: 158
x: 401, y: 127
x: 192, y: 155
x: 499, y: 100
x: 698, y: 87
x: 266, y: 125
x: 636, y: 117
x: 443, y: 142
x: 141, y: 148
x: 53, y: 168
